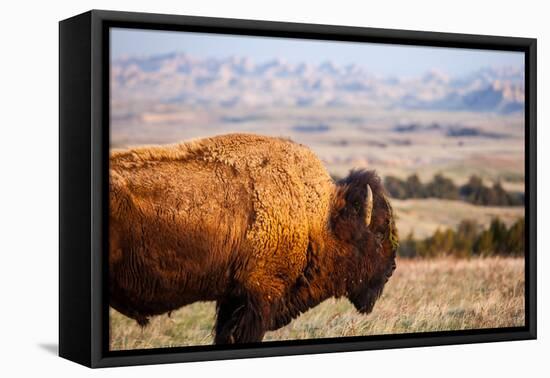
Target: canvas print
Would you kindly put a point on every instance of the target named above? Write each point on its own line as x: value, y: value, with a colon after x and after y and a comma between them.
x: 270, y: 189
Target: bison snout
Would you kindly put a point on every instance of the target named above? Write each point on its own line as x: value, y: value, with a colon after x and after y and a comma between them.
x: 390, y: 271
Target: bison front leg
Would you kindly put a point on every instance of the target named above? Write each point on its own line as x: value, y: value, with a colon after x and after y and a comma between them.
x: 240, y: 320
x: 227, y: 312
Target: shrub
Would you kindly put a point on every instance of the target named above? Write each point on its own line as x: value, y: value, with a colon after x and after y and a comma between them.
x: 474, y: 191
x: 469, y: 239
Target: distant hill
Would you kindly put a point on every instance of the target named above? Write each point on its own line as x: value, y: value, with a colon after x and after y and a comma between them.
x: 179, y: 78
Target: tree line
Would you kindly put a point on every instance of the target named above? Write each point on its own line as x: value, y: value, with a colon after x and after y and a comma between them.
x: 468, y: 240
x: 474, y: 191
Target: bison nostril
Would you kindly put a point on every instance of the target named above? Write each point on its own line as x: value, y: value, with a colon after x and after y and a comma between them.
x: 390, y: 271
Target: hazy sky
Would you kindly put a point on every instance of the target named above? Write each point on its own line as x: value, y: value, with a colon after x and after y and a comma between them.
x: 380, y: 59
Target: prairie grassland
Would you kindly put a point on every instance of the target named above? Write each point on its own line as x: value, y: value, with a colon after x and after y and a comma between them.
x: 423, y: 295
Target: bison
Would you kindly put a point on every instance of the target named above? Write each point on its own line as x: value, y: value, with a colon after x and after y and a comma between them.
x: 254, y: 223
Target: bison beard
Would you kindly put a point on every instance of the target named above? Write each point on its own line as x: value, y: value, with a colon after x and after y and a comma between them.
x: 251, y: 222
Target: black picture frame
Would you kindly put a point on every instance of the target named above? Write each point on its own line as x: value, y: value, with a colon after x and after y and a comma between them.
x: 83, y: 181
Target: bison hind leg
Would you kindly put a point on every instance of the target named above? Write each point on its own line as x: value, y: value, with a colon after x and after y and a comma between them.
x: 239, y: 320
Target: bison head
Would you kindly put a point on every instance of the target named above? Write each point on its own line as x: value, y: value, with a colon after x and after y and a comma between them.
x: 363, y: 223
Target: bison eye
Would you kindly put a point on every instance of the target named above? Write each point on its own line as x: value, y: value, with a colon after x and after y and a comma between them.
x: 357, y: 206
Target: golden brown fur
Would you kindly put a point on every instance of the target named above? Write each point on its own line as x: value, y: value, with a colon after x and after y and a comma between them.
x: 252, y: 222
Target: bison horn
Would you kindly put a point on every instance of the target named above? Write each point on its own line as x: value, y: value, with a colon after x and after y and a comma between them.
x: 369, y: 204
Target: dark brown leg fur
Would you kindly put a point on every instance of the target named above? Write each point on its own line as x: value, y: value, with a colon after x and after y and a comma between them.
x: 240, y: 320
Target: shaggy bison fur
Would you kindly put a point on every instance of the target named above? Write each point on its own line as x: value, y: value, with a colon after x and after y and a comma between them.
x: 251, y: 222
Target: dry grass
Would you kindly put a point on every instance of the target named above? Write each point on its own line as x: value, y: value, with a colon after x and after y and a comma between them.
x: 423, y: 295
